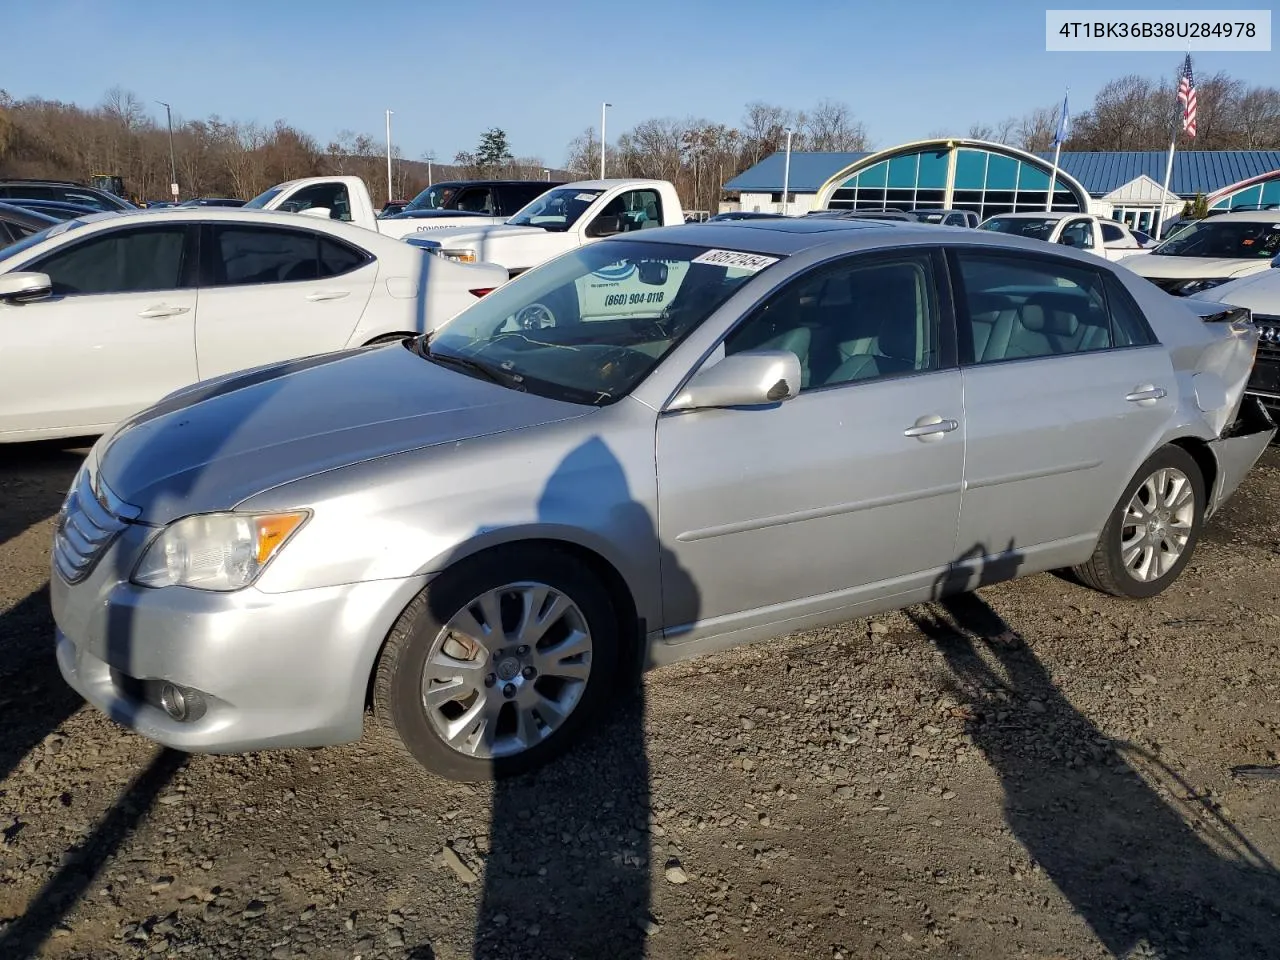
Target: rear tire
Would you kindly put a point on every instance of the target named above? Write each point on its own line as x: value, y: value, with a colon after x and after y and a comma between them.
x: 507, y: 706
x: 1152, y: 532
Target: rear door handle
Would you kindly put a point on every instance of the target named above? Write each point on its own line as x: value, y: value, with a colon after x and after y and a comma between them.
x: 162, y: 310
x: 328, y: 295
x: 1147, y: 394
x: 930, y: 428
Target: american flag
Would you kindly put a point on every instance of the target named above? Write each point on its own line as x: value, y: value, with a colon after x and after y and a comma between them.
x: 1187, y: 97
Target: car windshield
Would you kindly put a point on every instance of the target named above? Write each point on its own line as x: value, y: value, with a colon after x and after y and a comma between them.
x: 1038, y: 228
x: 1232, y: 239
x: 556, y: 209
x: 433, y: 198
x: 262, y: 199
x: 15, y: 248
x: 590, y: 325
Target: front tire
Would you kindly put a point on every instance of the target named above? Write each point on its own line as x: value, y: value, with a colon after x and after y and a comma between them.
x: 1152, y: 531
x: 494, y: 667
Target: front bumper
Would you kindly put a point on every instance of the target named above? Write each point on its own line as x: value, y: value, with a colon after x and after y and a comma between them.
x: 275, y: 670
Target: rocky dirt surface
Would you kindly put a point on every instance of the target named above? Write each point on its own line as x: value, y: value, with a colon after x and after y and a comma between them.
x: 1032, y: 771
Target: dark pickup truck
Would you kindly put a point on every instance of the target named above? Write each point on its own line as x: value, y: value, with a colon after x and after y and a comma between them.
x: 483, y: 198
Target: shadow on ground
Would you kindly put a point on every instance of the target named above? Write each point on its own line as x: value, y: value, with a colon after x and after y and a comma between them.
x: 1134, y: 867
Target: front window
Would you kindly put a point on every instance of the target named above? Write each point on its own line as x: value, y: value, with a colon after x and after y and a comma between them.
x: 589, y: 326
x: 436, y: 197
x: 556, y: 209
x: 1232, y: 239
x: 262, y: 199
x: 1037, y: 228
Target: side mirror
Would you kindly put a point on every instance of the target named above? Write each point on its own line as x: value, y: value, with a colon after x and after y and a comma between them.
x: 17, y: 288
x: 1067, y: 241
x: 321, y: 212
x: 755, y: 378
x: 652, y: 272
x: 605, y: 225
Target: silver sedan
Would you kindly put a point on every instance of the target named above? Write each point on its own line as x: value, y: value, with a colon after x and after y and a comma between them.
x: 655, y: 446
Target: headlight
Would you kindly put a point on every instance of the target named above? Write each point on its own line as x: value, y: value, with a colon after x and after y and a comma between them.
x: 459, y: 254
x: 1198, y: 286
x: 215, y: 551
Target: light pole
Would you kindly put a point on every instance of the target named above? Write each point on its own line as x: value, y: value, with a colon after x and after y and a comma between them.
x: 786, y: 176
x: 389, y: 196
x: 603, y: 108
x: 173, y: 166
x: 430, y: 158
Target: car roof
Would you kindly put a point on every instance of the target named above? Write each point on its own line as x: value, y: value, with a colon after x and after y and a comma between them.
x: 793, y: 236
x: 1040, y: 215
x: 1248, y: 216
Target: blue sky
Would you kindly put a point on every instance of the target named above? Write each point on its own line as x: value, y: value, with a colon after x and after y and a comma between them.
x: 540, y: 71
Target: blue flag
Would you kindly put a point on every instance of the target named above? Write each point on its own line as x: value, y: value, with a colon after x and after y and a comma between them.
x: 1064, y: 124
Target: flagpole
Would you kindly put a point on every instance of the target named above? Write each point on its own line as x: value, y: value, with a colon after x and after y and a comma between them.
x: 1168, y: 167
x: 1053, y: 177
x: 1058, y: 137
x: 1168, y: 175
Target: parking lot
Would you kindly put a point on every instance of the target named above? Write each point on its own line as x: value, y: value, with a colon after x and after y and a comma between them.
x: 1037, y: 770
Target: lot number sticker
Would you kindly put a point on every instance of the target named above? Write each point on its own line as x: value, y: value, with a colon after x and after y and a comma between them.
x: 751, y: 262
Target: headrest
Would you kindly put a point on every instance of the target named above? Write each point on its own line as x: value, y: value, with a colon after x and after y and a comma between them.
x: 1055, y: 314
x: 982, y: 304
x: 899, y: 305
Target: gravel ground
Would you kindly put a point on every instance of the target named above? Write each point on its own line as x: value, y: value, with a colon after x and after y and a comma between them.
x: 1031, y: 771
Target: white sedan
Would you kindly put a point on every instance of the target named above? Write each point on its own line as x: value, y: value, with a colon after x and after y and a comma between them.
x: 104, y: 315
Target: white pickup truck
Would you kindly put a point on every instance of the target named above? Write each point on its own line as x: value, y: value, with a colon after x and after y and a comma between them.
x: 347, y: 198
x: 1083, y: 231
x: 560, y: 220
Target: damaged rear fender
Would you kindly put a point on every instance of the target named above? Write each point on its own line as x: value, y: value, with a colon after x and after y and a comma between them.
x: 1238, y: 448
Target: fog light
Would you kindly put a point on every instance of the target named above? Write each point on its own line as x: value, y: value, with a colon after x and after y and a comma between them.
x: 181, y: 703
x: 174, y: 701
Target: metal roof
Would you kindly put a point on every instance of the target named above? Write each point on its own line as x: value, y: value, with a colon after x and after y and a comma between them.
x: 1194, y: 171
x: 809, y: 171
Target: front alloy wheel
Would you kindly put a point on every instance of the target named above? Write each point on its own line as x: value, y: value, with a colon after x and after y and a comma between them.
x: 497, y: 664
x: 507, y: 670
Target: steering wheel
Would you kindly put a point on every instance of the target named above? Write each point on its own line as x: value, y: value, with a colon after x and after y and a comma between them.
x: 535, y: 316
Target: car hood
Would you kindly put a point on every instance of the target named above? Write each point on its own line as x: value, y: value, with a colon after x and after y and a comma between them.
x: 1260, y: 292
x: 465, y: 235
x: 211, y: 446
x: 1160, y: 267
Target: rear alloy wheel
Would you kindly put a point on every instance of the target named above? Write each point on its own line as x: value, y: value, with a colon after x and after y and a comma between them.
x: 1152, y: 533
x: 494, y: 667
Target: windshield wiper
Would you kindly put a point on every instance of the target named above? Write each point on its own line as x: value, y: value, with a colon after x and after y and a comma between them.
x: 492, y: 374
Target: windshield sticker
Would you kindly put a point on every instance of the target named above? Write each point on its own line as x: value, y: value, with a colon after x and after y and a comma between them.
x: 586, y: 197
x: 751, y: 262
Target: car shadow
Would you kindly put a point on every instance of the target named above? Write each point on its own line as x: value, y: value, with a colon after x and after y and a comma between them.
x: 566, y: 872
x: 34, y: 700
x: 1144, y: 875
x: 82, y: 863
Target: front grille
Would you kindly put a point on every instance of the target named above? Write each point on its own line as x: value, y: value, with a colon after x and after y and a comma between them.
x: 86, y: 527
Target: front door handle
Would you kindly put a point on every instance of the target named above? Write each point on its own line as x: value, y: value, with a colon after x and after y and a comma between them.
x: 162, y: 310
x: 328, y: 295
x: 1147, y: 394
x: 930, y: 428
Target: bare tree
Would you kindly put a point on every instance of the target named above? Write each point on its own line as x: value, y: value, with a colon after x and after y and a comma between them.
x: 583, y: 154
x: 1036, y: 129
x: 763, y: 128
x: 1258, y: 110
x: 831, y: 126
